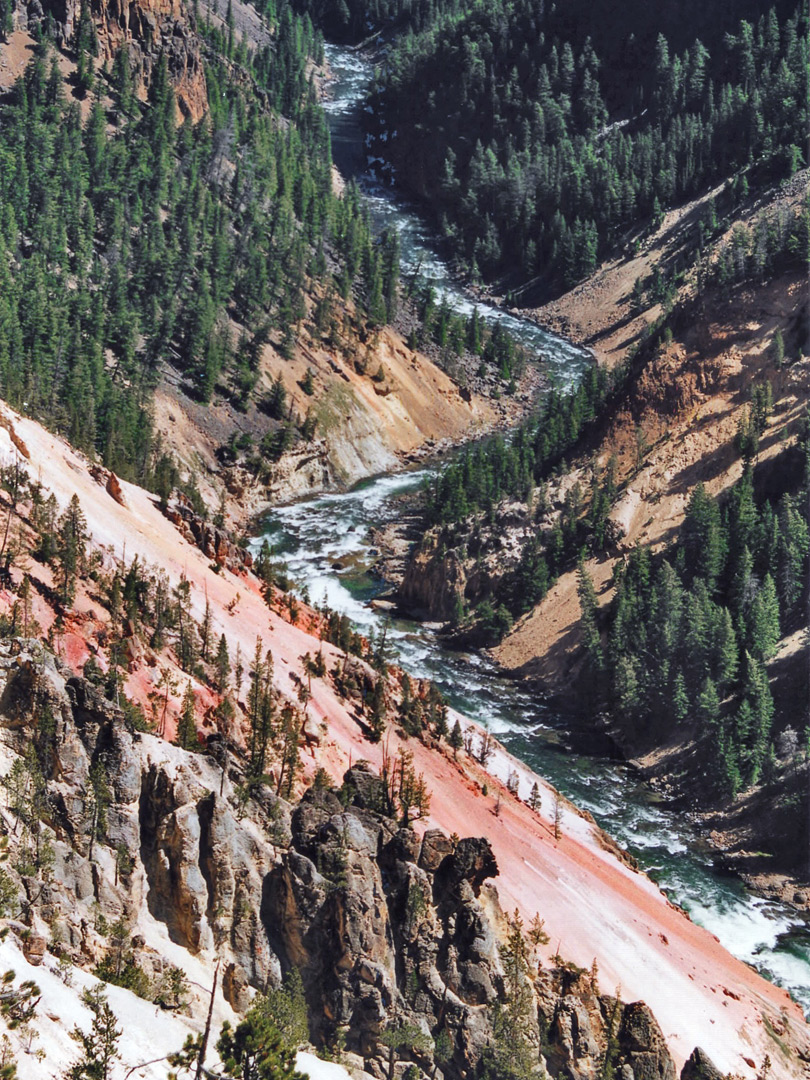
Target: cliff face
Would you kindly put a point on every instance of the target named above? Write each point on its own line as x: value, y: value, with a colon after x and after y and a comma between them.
x: 148, y: 28
x: 394, y: 925
x: 386, y: 927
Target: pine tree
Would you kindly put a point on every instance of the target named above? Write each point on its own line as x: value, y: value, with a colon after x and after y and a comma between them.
x: 261, y: 712
x: 287, y: 1009
x: 98, y: 799
x: 778, y: 349
x: 222, y: 663
x: 186, y: 646
x: 764, y: 631
x: 71, y: 546
x: 680, y: 698
x: 757, y: 693
x: 99, y: 1045
x: 727, y: 652
x: 708, y: 706
x: 6, y: 19
x: 205, y: 631
x: 256, y: 1050
x: 456, y: 738
x: 377, y: 710
x: 290, y: 752
x: 702, y: 538
x: 187, y: 724
x: 589, y: 607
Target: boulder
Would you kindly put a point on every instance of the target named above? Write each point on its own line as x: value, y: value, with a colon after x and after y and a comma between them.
x: 114, y: 489
x: 34, y: 948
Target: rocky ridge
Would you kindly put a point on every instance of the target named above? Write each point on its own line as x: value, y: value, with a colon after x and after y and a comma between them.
x: 385, y: 926
x: 149, y: 29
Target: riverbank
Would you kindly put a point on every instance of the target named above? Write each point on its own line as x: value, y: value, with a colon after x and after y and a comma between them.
x: 733, y: 835
x: 365, y: 425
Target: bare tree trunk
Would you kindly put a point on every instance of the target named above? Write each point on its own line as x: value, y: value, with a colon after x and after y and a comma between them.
x: 207, y: 1033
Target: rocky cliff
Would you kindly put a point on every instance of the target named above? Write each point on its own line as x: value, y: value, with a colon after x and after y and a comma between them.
x: 149, y: 29
x: 394, y: 925
x: 391, y: 931
x: 189, y: 862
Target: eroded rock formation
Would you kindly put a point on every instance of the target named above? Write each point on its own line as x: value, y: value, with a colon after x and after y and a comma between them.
x: 148, y: 28
x: 386, y: 927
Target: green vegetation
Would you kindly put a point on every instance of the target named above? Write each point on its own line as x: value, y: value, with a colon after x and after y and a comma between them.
x: 496, y: 469
x: 98, y: 1045
x: 356, y: 20
x: 457, y: 335
x: 513, y: 1054
x: 690, y: 635
x: 129, y: 245
x: 256, y: 1050
x: 536, y: 136
x: 463, y: 503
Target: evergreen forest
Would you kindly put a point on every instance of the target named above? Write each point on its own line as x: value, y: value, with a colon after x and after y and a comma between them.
x: 129, y: 243
x: 535, y: 145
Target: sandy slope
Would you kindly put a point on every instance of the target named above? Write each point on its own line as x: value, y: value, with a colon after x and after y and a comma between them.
x: 593, y: 904
x: 688, y: 403
x: 365, y: 427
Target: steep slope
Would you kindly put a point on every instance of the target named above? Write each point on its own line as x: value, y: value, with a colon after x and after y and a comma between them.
x: 535, y: 143
x: 365, y: 425
x: 241, y: 329
x: 591, y: 900
x: 326, y: 887
x: 147, y: 29
x: 686, y: 408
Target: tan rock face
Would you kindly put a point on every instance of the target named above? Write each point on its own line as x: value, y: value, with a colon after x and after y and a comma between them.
x: 114, y: 489
x: 34, y: 948
x: 434, y: 584
x: 148, y: 28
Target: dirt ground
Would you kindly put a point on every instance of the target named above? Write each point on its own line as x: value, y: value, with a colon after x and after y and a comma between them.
x: 687, y: 406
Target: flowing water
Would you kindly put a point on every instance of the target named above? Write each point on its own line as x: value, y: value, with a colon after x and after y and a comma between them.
x: 324, y: 542
x: 352, y: 74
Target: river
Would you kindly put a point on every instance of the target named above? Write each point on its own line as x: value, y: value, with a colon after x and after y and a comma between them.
x: 351, y: 74
x: 324, y: 541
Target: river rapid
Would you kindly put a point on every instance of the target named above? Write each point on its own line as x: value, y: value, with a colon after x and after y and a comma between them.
x: 324, y: 542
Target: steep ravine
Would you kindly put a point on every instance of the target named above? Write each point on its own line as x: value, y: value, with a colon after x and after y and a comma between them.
x: 335, y: 563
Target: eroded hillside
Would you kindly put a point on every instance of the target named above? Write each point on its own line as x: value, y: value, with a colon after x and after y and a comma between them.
x: 325, y: 716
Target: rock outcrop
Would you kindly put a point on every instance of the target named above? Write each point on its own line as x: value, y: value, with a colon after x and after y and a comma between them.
x: 214, y: 542
x: 382, y: 923
x: 150, y: 29
x: 389, y: 930
x: 433, y: 585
